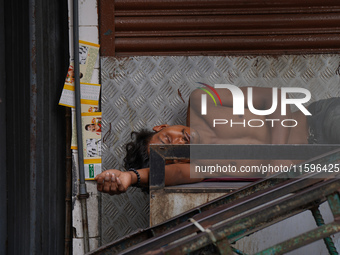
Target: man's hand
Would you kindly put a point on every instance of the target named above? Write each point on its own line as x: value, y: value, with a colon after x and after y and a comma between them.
x: 113, y: 181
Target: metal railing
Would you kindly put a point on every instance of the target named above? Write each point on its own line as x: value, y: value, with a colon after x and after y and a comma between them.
x: 217, y: 223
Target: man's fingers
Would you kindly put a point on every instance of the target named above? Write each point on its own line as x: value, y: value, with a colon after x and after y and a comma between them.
x: 119, y: 181
x: 100, y: 184
x: 113, y: 177
x: 107, y: 177
x: 121, y: 188
x: 107, y: 183
x: 110, y: 183
x: 113, y: 186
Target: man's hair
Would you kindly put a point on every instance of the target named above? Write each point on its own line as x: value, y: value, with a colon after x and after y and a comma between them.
x: 137, y: 155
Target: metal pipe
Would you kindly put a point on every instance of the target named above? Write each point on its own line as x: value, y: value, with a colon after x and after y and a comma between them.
x: 83, y: 195
x: 320, y: 222
x: 260, y: 218
x: 303, y: 239
x: 68, y: 195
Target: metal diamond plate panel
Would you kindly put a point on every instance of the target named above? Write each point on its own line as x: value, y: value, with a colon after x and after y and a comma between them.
x: 141, y: 92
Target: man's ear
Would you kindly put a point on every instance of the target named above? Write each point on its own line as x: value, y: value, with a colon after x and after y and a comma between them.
x: 160, y: 127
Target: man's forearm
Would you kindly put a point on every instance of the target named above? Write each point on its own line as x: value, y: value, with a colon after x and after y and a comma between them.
x: 144, y: 177
x: 174, y: 174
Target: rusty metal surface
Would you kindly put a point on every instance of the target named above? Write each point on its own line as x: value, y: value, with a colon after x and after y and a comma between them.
x: 241, y: 226
x: 139, y: 236
x: 188, y: 27
x: 229, y: 25
x: 185, y: 229
x: 233, y: 45
x: 320, y: 222
x: 164, y: 205
x: 248, y: 197
x: 206, y: 187
x: 36, y: 56
x: 235, y: 208
x: 236, y: 7
x: 334, y: 202
x: 107, y: 27
x: 309, y: 237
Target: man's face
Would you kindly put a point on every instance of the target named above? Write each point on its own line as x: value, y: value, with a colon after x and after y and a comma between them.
x: 173, y: 135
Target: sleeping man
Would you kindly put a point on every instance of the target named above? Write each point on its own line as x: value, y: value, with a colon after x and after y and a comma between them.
x: 262, y: 119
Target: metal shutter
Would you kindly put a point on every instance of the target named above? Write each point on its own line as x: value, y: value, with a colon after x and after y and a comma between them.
x: 219, y: 27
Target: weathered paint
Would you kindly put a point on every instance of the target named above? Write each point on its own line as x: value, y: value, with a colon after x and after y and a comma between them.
x: 36, y: 56
x: 238, y: 218
x: 164, y: 206
x: 309, y: 237
x: 218, y: 27
x: 252, y: 221
x: 320, y: 222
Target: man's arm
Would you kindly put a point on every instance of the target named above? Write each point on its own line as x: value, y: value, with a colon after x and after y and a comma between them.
x: 116, y: 182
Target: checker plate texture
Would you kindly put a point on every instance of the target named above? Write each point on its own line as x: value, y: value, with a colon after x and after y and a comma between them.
x: 141, y: 92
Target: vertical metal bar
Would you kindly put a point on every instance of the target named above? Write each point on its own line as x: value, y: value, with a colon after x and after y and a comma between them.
x: 68, y: 195
x: 224, y: 247
x: 320, y: 222
x: 107, y: 27
x: 82, y: 189
x: 3, y: 179
x: 334, y: 204
x: 33, y: 125
x: 83, y: 195
x: 157, y: 170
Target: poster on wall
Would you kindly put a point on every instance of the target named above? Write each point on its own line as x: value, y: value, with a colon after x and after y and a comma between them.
x: 92, y: 143
x: 89, y: 96
x: 90, y: 93
x: 88, y: 54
